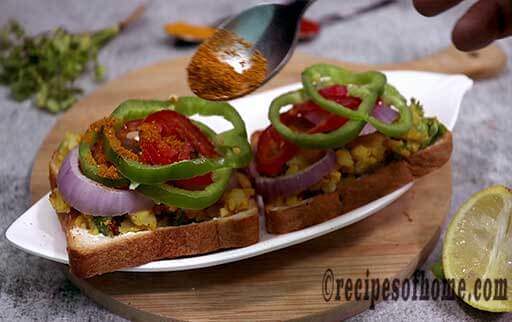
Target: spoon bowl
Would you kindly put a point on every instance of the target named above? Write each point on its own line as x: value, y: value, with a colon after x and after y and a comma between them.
x: 271, y: 29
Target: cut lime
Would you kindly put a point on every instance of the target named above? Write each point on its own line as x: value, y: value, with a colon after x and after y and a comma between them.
x: 477, y: 251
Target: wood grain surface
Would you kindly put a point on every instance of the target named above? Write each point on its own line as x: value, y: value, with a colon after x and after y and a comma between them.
x: 287, y: 284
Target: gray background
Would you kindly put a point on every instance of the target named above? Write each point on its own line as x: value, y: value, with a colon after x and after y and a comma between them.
x: 35, y: 289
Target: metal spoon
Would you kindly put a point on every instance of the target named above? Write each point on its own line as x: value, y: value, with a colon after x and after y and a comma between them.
x: 272, y: 29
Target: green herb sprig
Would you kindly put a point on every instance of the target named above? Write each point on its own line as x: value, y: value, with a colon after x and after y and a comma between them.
x: 44, y: 67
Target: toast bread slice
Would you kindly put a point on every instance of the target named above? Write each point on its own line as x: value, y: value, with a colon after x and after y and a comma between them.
x: 367, y: 188
x: 91, y: 255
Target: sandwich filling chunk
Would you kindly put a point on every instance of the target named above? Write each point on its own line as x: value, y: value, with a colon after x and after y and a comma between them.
x: 148, y: 165
x: 362, y: 156
x: 341, y: 126
x: 233, y: 201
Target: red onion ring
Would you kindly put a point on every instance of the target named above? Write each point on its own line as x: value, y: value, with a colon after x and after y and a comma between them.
x: 92, y: 198
x: 288, y: 185
x: 383, y: 113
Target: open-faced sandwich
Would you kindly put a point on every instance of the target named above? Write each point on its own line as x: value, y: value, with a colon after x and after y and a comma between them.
x: 148, y: 183
x: 348, y: 139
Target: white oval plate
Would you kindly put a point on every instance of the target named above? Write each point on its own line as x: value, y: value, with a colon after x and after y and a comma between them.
x: 38, y: 230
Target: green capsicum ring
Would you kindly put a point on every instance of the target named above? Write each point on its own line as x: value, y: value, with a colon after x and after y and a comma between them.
x: 90, y: 167
x: 337, y: 138
x: 367, y: 86
x: 397, y: 129
x: 232, y: 144
x: 154, y: 174
x: 188, y: 199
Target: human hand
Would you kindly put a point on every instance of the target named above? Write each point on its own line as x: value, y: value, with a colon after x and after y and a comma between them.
x: 484, y: 22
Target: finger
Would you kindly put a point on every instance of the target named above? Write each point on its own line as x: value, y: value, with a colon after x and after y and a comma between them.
x: 433, y: 7
x: 485, y: 21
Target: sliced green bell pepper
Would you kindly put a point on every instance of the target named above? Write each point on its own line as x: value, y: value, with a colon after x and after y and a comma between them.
x: 392, y: 97
x: 336, y: 138
x: 89, y: 166
x: 189, y: 199
x: 367, y: 86
x: 233, y: 144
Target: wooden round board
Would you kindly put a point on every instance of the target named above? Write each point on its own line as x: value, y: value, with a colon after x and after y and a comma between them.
x: 286, y: 284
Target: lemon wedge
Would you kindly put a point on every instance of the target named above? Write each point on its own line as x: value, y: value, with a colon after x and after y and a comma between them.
x: 477, y: 251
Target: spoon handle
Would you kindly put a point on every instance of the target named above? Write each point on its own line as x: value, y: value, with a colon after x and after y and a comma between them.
x: 300, y: 6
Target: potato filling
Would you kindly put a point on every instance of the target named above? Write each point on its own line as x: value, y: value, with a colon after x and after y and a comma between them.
x: 364, y: 155
x: 235, y: 200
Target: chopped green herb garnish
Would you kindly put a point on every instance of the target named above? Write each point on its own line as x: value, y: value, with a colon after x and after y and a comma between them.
x: 44, y: 67
x: 103, y: 225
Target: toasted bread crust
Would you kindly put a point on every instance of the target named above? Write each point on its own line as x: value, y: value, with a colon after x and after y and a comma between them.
x: 143, y: 247
x: 133, y: 249
x: 361, y: 191
x: 313, y: 211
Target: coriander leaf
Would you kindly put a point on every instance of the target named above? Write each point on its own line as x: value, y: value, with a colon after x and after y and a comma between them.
x: 44, y: 67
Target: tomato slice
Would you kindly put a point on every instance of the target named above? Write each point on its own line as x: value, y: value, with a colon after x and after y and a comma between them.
x: 173, y: 123
x: 326, y: 121
x: 167, y: 137
x: 330, y: 121
x: 195, y: 183
x: 273, y: 151
x: 339, y: 94
x: 329, y: 124
x: 157, y: 152
x: 156, y: 149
